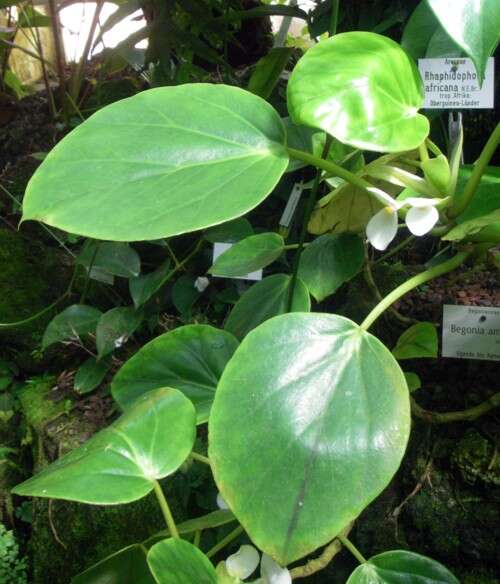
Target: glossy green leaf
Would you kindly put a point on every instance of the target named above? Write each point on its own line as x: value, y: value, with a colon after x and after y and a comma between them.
x: 144, y: 286
x: 248, y: 255
x: 190, y: 358
x: 268, y: 71
x: 419, y: 341
x: 437, y: 172
x: 266, y: 299
x: 89, y: 375
x: 120, y: 463
x: 163, y: 162
x: 118, y: 259
x: 401, y: 567
x: 115, y: 327
x: 71, y: 324
x: 473, y: 24
x: 128, y: 566
x: 323, y: 410
x: 363, y: 89
x: 329, y: 261
x: 229, y: 232
x: 176, y: 561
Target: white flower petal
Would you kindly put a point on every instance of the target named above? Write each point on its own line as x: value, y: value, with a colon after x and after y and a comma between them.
x: 201, y: 283
x: 384, y: 198
x: 382, y: 228
x: 243, y: 563
x: 421, y: 220
x: 273, y: 573
x: 421, y: 201
x: 221, y: 503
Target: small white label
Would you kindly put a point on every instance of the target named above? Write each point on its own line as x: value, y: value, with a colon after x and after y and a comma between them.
x: 220, y: 248
x: 471, y: 332
x: 293, y: 201
x: 453, y: 84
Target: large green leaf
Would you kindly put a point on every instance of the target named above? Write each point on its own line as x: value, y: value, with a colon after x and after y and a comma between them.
x: 419, y: 341
x: 120, y: 463
x: 115, y: 327
x: 309, y: 424
x: 401, y: 567
x: 128, y: 566
x: 330, y: 261
x: 266, y: 299
x: 190, y: 358
x: 268, y: 71
x: 472, y: 24
x: 169, y: 160
x: 248, y: 255
x: 118, y: 259
x: 229, y: 232
x: 144, y: 286
x: 72, y: 323
x: 363, y: 89
x: 176, y: 561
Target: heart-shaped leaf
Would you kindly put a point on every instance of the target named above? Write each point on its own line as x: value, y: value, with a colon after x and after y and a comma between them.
x: 266, y: 299
x: 72, y: 323
x: 121, y: 463
x: 323, y: 409
x: 473, y: 24
x: 144, y: 286
x: 330, y: 261
x: 401, y: 567
x: 248, y: 255
x: 166, y: 161
x: 363, y: 89
x: 128, y: 566
x: 176, y: 561
x: 115, y: 327
x: 190, y: 358
x: 419, y: 341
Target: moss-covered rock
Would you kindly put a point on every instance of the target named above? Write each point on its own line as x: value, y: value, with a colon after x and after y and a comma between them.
x: 30, y: 279
x: 69, y: 537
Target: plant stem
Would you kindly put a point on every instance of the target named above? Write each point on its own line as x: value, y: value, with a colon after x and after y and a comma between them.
x: 352, y: 548
x: 165, y: 509
x: 56, y: 31
x: 200, y: 458
x: 467, y: 415
x: 334, y: 169
x: 430, y: 274
x: 394, y: 250
x: 462, y: 202
x: 197, y: 537
x: 334, y: 17
x: 422, y: 150
x: 311, y: 201
x: 225, y: 541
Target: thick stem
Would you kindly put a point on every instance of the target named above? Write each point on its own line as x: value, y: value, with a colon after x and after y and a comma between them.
x: 200, y: 458
x: 165, y: 509
x: 430, y: 274
x: 334, y: 169
x: 303, y: 232
x: 352, y: 548
x: 334, y: 17
x: 467, y: 415
x: 225, y: 541
x: 462, y: 202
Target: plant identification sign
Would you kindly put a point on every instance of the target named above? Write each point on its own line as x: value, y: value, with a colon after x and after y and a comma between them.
x: 471, y: 332
x: 453, y: 83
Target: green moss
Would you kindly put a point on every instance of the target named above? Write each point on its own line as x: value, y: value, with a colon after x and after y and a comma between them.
x: 30, y: 278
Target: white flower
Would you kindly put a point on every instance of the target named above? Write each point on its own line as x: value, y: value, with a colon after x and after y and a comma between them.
x: 273, y: 573
x: 420, y: 219
x: 201, y: 283
x: 243, y: 563
x: 422, y: 215
x: 221, y: 503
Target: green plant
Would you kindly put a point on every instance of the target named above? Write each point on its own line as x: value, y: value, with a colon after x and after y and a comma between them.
x: 12, y: 566
x: 308, y: 413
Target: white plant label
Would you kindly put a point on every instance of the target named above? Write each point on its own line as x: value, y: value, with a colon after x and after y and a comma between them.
x: 452, y: 83
x: 471, y: 332
x: 220, y: 248
x: 291, y: 205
